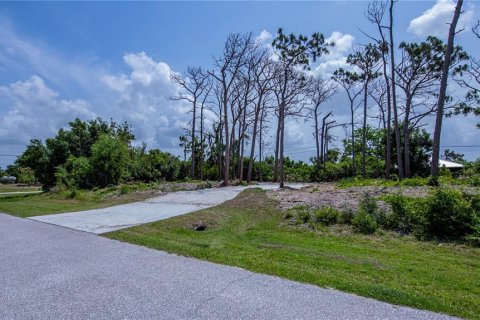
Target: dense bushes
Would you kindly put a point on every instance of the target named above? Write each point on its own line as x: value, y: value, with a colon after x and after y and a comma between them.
x: 364, y: 222
x: 326, y: 216
x: 444, y: 215
x: 95, y: 154
x: 306, y: 215
x: 448, y: 215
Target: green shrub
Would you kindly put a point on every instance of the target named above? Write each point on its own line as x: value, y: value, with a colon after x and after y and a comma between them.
x: 124, y: 189
x: 204, y: 185
x: 474, y: 181
x: 326, y: 216
x: 445, y: 172
x: 368, y: 204
x: 448, y: 216
x: 475, y: 203
x: 72, y: 193
x: 364, y: 223
x: 288, y: 215
x: 433, y: 181
x: 402, y: 218
x: 414, y: 182
x: 302, y: 214
x: 108, y: 161
x: 346, y: 216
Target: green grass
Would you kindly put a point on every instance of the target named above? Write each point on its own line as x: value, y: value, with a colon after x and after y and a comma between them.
x: 15, y: 188
x: 40, y: 204
x: 408, y: 182
x: 29, y: 205
x: 249, y: 232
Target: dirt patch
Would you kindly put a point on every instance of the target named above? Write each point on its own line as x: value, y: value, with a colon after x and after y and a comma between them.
x: 328, y: 195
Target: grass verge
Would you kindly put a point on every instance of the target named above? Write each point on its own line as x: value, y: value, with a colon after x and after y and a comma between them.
x: 29, y: 205
x: 249, y: 232
x: 16, y: 188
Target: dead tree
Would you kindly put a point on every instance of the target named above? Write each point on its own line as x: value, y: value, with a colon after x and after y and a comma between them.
x: 320, y: 92
x: 263, y: 75
x: 193, y: 85
x: 396, y: 126
x: 234, y: 55
x: 375, y: 13
x: 293, y: 52
x: 443, y: 88
x: 366, y: 60
x: 349, y: 81
x: 418, y: 75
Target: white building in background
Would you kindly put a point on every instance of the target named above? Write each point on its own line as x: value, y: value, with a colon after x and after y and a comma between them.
x: 449, y: 164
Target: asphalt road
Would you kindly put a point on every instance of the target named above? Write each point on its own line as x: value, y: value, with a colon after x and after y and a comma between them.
x: 153, y: 209
x: 51, y: 272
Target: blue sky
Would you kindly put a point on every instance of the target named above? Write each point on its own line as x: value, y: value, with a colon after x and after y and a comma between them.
x: 112, y: 59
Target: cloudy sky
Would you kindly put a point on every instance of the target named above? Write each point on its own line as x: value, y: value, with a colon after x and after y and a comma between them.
x: 59, y: 61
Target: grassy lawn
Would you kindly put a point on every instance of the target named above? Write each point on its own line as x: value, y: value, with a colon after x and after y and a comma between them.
x: 40, y: 204
x: 15, y: 188
x: 29, y: 205
x: 249, y: 232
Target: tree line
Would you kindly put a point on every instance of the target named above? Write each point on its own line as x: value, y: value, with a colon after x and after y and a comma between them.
x: 251, y: 88
x: 241, y: 106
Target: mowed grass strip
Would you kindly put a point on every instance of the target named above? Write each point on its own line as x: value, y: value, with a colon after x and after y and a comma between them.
x: 15, y: 188
x: 249, y: 232
x: 29, y: 205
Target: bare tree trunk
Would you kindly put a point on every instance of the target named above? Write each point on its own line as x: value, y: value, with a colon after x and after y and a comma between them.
x: 406, y: 137
x: 232, y: 150
x: 364, y: 131
x: 325, y: 153
x: 317, y: 143
x: 242, y: 147
x: 226, y: 169
x: 324, y: 136
x: 320, y: 160
x: 443, y: 89
x: 282, y: 135
x: 388, y: 147
x: 202, y: 143
x: 260, y: 146
x: 194, y: 121
x: 352, y: 114
x: 239, y: 146
x: 277, y: 149
x: 254, y: 137
x: 394, y: 97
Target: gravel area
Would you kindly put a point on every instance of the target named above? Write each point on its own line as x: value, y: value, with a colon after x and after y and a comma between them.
x: 328, y: 195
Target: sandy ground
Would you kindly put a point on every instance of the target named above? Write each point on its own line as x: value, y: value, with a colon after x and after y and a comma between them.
x: 328, y: 195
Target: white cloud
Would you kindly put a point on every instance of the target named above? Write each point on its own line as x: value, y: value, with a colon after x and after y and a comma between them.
x: 434, y: 21
x: 337, y: 57
x: 264, y: 37
x: 343, y: 44
x: 143, y: 98
x: 33, y: 110
x: 117, y: 83
x: 294, y: 133
x: 22, y: 57
x: 145, y: 69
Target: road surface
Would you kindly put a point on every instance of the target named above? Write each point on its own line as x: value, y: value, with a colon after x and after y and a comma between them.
x: 50, y: 272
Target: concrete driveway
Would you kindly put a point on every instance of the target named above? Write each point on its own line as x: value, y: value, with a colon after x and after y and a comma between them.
x: 48, y: 272
x: 158, y: 208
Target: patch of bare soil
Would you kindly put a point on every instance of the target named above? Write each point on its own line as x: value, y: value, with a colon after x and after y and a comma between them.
x: 328, y: 195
